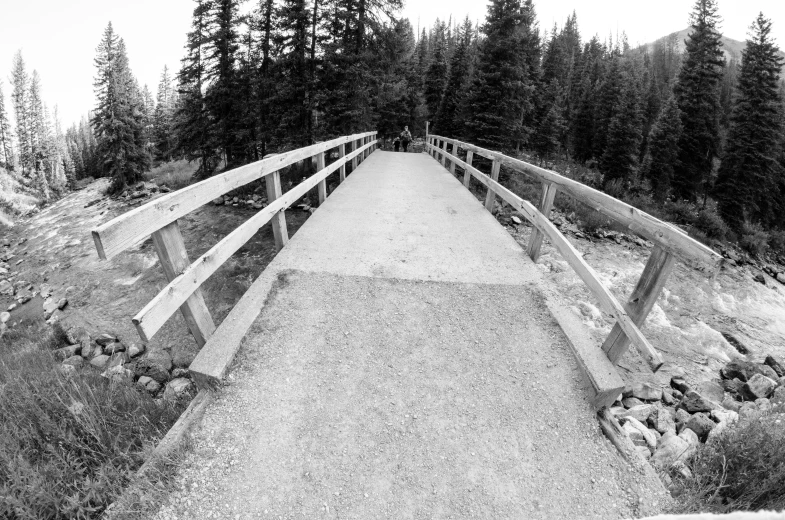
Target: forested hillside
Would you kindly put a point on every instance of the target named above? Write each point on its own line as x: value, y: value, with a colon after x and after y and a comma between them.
x: 686, y: 122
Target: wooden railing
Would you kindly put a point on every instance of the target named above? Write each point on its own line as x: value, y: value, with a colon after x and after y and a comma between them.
x: 159, y: 218
x: 669, y: 242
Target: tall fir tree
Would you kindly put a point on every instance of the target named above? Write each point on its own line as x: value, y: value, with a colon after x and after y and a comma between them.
x: 6, y: 135
x: 449, y: 119
x: 436, y: 75
x: 162, y: 134
x: 20, y: 99
x: 750, y: 179
x: 662, y: 149
x: 697, y: 93
x: 500, y: 108
x: 620, y: 158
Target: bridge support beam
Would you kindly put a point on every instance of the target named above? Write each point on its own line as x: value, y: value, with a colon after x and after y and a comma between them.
x: 467, y: 175
x: 322, y: 186
x: 281, y: 234
x: 641, y: 301
x: 170, y: 246
x: 490, y: 197
x: 455, y: 153
x: 549, y: 191
x: 342, y: 171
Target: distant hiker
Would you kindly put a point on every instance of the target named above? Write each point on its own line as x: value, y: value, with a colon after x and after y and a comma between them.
x: 397, y: 143
x: 406, y: 136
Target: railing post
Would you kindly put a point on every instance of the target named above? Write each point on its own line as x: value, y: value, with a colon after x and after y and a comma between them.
x: 455, y: 154
x: 546, y: 205
x: 322, y: 186
x: 490, y: 197
x: 641, y: 301
x: 443, y: 153
x: 467, y: 177
x: 341, y: 155
x: 170, y: 246
x: 281, y: 234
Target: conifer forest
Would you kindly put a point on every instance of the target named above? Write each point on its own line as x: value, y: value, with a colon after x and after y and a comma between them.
x: 678, y: 121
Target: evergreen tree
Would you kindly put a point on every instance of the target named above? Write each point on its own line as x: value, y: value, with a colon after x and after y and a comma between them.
x: 547, y: 140
x: 449, y: 119
x: 6, y: 135
x: 697, y: 93
x: 663, y: 149
x: 295, y: 124
x: 750, y: 177
x: 20, y: 98
x: 620, y: 158
x: 436, y: 77
x: 163, y: 118
x: 500, y: 108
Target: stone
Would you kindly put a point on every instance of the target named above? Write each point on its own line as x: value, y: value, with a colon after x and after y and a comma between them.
x: 111, y: 348
x: 748, y: 412
x: 105, y: 339
x: 136, y: 349
x: 677, y: 394
x: 648, y: 435
x: 667, y: 397
x: 155, y: 364
x: 635, y: 435
x: 712, y: 391
x: 67, y: 370
x: 77, y: 336
x: 219, y: 201
x: 731, y: 404
x: 781, y: 278
x: 6, y: 289
x: 694, y: 402
x: 117, y: 359
x: 118, y: 374
x: 629, y: 402
x: 778, y: 398
x: 735, y: 342
x: 646, y: 392
x: 733, y: 386
x: 180, y: 372
x: 64, y: 353
x: 61, y: 303
x: 100, y: 362
x: 12, y: 307
x: 689, y: 436
x: 670, y: 450
x: 91, y: 351
x: 760, y: 278
x: 643, y: 451
x: 763, y: 404
x: 74, y: 361
x: 701, y: 424
x: 515, y: 220
x: 640, y: 413
x: 758, y: 386
x: 681, y: 418
x: 744, y: 370
x: 776, y: 365
x: 4, y: 317
x: 178, y: 388
x: 182, y: 357
x: 662, y: 421
x: 679, y: 384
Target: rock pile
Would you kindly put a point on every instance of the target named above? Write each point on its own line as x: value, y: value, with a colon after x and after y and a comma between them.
x: 667, y: 424
x: 143, y: 190
x: 154, y: 372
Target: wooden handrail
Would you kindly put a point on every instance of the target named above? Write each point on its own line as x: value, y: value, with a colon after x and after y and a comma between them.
x: 159, y: 219
x: 607, y: 301
x: 130, y: 228
x: 668, y: 237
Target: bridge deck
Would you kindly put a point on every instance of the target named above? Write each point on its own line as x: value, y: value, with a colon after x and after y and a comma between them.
x: 404, y: 366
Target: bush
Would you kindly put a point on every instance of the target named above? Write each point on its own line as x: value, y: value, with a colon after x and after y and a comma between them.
x: 711, y: 224
x: 742, y: 470
x: 175, y: 174
x: 68, y: 445
x: 754, y: 239
x: 777, y: 241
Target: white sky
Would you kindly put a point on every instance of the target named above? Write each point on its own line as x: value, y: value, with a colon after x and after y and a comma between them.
x: 59, y: 37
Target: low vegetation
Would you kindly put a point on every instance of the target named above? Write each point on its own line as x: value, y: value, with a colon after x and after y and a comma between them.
x: 175, y: 174
x: 68, y: 443
x: 15, y: 198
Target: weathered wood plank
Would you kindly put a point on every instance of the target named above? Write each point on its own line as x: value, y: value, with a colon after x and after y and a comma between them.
x: 280, y: 231
x: 467, y: 176
x: 342, y: 169
x: 607, y: 301
x: 130, y: 228
x: 546, y: 205
x: 490, y: 196
x: 322, y: 186
x: 170, y: 246
x: 641, y: 301
x: 455, y: 153
x: 667, y: 236
x: 444, y: 152
x: 153, y: 316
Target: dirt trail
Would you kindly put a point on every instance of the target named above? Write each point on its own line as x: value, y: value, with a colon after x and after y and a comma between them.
x: 405, y: 367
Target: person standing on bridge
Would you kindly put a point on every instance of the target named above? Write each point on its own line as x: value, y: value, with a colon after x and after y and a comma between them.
x: 406, y: 137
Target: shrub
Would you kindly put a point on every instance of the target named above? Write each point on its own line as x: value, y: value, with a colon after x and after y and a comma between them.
x: 68, y: 445
x: 742, y: 469
x: 777, y: 241
x: 711, y: 224
x: 754, y: 239
x: 175, y: 174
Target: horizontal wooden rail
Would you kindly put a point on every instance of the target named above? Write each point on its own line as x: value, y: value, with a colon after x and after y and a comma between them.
x: 155, y: 314
x: 130, y: 228
x: 668, y: 237
x: 607, y: 301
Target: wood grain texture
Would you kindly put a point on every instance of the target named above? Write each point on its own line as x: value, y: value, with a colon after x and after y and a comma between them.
x: 170, y: 246
x: 667, y: 236
x: 342, y: 169
x: 130, y: 228
x: 280, y: 231
x: 546, y: 205
x: 642, y: 300
x: 490, y: 197
x: 467, y: 176
x: 322, y: 186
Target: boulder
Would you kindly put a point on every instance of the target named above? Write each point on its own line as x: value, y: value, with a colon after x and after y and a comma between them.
x: 712, y: 391
x: 679, y: 384
x: 760, y: 278
x: 63, y: 353
x: 6, y: 288
x: 643, y: 451
x: 748, y: 411
x: 694, y: 402
x: 178, y: 388
x: 648, y: 435
x: 690, y: 437
x: 758, y: 386
x: 724, y: 419
x: 778, y: 398
x: 681, y: 418
x: 733, y: 386
x: 701, y: 424
x: 180, y: 372
x: 776, y: 365
x: 635, y: 435
x: 629, y: 402
x: 646, y: 392
x: 149, y: 384
x: 105, y: 339
x: 4, y: 317
x: 744, y: 370
x: 100, y: 362
x: 641, y: 412
x: 662, y: 421
x: 77, y: 336
x: 74, y: 361
x: 763, y: 404
x: 731, y: 404
x: 118, y: 374
x: 182, y: 357
x: 515, y: 220
x: 781, y: 278
x: 670, y: 450
x: 667, y: 397
x: 136, y: 349
x: 112, y: 348
x: 155, y: 364
x: 62, y: 303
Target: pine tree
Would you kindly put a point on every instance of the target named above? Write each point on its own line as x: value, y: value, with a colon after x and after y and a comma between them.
x: 500, y: 108
x: 20, y: 98
x: 436, y: 76
x: 6, y: 135
x: 295, y: 122
x: 750, y: 177
x: 697, y: 93
x: 619, y: 161
x: 449, y: 121
x: 547, y: 139
x: 662, y: 152
x: 37, y: 129
x: 162, y: 133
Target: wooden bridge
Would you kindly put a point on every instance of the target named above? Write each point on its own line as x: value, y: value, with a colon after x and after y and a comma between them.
x: 413, y: 294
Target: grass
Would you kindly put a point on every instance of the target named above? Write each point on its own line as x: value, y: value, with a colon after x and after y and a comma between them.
x: 15, y: 198
x: 68, y: 445
x: 174, y: 174
x: 742, y: 470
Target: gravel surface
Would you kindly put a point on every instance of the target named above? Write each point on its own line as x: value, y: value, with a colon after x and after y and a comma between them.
x: 358, y: 397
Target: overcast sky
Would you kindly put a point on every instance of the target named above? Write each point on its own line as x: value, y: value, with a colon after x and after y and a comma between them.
x: 59, y: 37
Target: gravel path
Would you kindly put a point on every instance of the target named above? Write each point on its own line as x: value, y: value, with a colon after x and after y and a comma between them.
x: 386, y: 379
